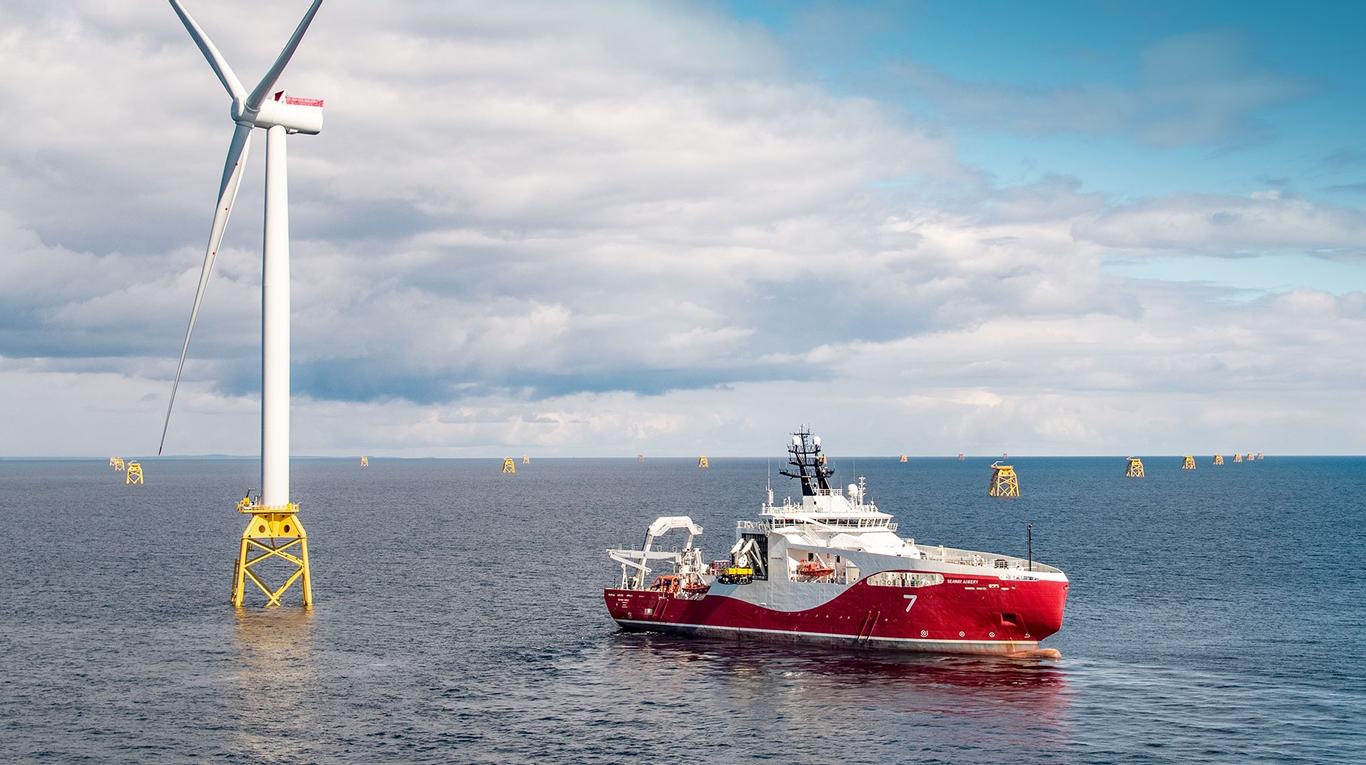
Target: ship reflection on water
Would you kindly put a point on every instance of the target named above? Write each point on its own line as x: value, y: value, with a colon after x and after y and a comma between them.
x: 1021, y: 704
x: 1044, y: 680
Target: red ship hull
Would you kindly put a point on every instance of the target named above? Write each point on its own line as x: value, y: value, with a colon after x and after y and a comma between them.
x: 965, y: 614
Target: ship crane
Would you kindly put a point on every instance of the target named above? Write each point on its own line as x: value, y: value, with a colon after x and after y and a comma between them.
x: 688, y: 560
x: 745, y: 554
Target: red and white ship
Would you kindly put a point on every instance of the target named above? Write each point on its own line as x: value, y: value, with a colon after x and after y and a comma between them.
x: 831, y: 568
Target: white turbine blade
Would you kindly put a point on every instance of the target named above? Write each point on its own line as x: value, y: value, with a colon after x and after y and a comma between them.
x: 227, y: 194
x: 268, y: 82
x: 206, y: 46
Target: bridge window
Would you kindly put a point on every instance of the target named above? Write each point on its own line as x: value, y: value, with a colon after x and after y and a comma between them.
x: 904, y: 579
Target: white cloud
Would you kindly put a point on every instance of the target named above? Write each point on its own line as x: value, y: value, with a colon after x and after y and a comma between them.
x: 1224, y: 225
x: 557, y: 229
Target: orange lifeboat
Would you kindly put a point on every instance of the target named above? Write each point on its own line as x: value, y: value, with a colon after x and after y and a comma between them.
x: 814, y: 569
x: 695, y: 586
x: 665, y: 583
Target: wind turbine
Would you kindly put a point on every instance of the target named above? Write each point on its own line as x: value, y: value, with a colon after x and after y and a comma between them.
x: 274, y: 532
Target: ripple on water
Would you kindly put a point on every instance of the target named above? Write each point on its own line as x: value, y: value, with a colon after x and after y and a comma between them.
x: 460, y: 619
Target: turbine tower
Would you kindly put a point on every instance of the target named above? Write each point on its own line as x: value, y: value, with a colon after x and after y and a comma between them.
x: 274, y: 535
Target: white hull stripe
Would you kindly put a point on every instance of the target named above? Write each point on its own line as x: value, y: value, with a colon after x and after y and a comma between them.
x: 827, y: 634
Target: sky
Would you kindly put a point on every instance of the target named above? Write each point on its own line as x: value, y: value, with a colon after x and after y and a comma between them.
x: 682, y: 228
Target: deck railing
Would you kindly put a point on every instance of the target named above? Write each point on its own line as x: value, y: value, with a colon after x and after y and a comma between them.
x: 981, y: 560
x: 763, y: 526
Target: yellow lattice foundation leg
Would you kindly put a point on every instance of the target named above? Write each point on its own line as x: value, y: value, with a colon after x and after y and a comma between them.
x: 1004, y: 481
x: 307, y: 580
x: 273, y: 538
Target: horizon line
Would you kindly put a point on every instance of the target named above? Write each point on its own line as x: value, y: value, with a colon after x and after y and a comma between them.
x: 954, y: 457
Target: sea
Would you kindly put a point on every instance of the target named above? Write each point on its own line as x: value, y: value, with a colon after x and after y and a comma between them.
x: 1216, y: 615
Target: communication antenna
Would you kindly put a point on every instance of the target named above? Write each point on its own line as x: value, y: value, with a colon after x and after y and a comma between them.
x: 769, y: 463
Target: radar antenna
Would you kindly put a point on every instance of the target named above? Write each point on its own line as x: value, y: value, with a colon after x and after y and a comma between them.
x: 804, y: 453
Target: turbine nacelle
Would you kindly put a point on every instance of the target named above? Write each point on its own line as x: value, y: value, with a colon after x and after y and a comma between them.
x: 297, y: 115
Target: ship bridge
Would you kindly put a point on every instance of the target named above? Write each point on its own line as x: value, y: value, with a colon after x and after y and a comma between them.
x: 829, y: 508
x: 824, y: 516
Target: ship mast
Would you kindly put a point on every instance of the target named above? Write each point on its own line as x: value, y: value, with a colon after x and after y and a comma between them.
x: 804, y: 454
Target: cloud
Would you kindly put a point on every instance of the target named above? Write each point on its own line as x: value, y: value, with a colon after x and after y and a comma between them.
x: 552, y: 228
x: 1344, y: 157
x: 1231, y: 226
x: 508, y: 199
x: 1201, y: 89
x: 1271, y: 344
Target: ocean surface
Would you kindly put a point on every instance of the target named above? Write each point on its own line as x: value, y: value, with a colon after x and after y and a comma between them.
x: 1215, y: 616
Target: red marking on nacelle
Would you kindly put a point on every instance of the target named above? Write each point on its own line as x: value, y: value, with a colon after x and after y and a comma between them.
x: 295, y: 101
